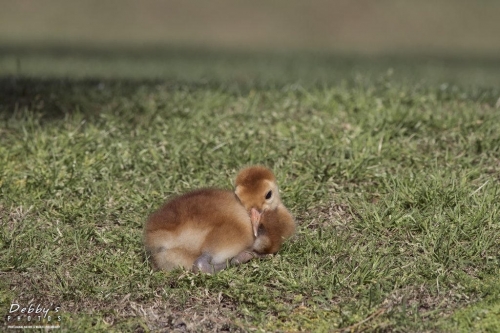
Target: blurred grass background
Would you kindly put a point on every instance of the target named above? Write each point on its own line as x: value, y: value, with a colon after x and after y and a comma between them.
x: 387, y: 27
x: 451, y: 42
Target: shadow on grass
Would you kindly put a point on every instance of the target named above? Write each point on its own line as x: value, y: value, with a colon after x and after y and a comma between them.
x: 55, y: 97
x: 59, y: 79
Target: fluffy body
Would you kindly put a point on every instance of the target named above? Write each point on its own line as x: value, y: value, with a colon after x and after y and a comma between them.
x: 201, y: 230
x: 276, y: 226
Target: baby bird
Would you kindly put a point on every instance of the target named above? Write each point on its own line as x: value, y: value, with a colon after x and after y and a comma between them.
x: 205, y: 229
x: 201, y: 230
x: 272, y: 223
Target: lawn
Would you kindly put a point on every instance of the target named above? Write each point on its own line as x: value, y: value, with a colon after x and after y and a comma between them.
x: 391, y: 167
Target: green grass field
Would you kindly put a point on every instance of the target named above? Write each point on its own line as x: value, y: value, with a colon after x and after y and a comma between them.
x: 391, y: 167
x: 381, y: 122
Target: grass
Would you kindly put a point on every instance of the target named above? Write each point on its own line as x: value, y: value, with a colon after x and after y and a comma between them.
x: 391, y: 169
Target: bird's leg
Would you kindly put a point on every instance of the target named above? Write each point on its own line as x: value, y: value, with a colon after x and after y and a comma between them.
x: 204, y: 264
x: 246, y: 256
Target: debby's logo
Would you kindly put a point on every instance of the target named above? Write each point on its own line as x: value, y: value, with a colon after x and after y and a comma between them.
x: 33, y: 315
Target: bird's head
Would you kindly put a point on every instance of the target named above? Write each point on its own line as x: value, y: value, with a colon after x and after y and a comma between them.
x: 257, y: 190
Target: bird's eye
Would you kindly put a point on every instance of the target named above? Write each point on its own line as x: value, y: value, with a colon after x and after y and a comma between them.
x: 269, y: 195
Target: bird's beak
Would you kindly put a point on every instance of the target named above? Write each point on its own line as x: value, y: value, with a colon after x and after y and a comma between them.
x: 255, y: 218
